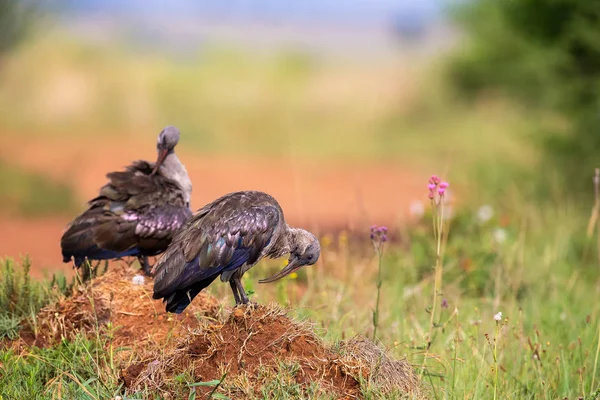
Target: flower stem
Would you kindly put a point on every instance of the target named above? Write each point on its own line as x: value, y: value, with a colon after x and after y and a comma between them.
x: 439, y: 232
x: 496, y: 337
x: 379, y: 251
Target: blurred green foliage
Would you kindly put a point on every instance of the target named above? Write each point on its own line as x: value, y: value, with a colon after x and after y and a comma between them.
x: 15, y: 16
x: 31, y: 194
x: 237, y: 103
x: 546, y: 54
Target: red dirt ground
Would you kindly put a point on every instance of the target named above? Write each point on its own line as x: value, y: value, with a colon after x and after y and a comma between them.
x: 319, y: 195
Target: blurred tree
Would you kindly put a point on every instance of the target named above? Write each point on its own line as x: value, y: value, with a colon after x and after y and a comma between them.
x: 15, y: 17
x: 546, y: 53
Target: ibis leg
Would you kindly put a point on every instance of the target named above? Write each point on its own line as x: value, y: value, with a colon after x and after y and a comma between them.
x: 143, y: 260
x: 235, y: 291
x: 242, y: 293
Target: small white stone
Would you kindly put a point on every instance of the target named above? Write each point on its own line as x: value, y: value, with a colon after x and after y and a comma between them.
x: 138, y: 280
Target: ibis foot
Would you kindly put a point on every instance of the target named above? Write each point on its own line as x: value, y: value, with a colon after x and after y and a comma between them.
x: 143, y: 260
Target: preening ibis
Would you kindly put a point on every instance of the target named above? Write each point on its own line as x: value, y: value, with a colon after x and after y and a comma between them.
x: 226, y: 238
x: 137, y: 213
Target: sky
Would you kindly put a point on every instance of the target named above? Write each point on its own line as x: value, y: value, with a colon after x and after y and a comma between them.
x: 322, y: 26
x: 333, y: 10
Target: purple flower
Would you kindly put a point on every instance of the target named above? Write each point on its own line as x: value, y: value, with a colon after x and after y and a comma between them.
x: 444, y: 185
x: 379, y: 234
x: 444, y: 303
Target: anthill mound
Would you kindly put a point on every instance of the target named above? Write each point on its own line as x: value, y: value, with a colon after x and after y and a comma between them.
x: 255, y: 345
x: 259, y: 347
x: 118, y: 304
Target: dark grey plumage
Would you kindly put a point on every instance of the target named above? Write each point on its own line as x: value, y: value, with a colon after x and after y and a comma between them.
x: 137, y: 213
x: 226, y: 238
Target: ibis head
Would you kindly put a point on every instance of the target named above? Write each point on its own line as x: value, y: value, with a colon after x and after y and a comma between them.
x: 304, y: 250
x: 165, y: 144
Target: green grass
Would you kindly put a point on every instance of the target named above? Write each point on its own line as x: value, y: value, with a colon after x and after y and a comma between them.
x: 79, y: 369
x: 21, y: 298
x: 543, y: 278
x: 32, y: 194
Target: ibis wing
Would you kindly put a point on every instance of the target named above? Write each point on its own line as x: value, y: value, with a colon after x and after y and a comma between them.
x: 147, y: 209
x: 134, y: 211
x: 218, y: 239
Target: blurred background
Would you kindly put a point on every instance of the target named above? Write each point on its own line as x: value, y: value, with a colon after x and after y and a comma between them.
x: 340, y: 109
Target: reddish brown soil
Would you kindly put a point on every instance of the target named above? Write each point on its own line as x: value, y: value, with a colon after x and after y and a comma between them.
x: 320, y: 195
x: 252, y: 341
x: 136, y: 319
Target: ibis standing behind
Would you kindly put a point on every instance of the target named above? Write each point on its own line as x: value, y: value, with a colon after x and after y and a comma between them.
x: 226, y: 238
x: 137, y: 213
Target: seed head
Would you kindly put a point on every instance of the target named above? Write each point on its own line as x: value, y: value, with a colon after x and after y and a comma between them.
x: 499, y: 235
x: 485, y: 213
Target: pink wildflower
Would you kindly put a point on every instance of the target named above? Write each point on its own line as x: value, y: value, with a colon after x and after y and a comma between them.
x: 436, y: 183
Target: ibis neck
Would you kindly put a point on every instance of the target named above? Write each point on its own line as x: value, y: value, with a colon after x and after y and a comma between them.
x: 286, y: 242
x: 173, y: 169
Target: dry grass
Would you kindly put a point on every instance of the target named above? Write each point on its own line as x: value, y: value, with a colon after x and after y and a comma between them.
x: 384, y: 373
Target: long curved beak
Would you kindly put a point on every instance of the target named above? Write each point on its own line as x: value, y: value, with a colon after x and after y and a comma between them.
x: 292, y: 266
x: 162, y: 154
